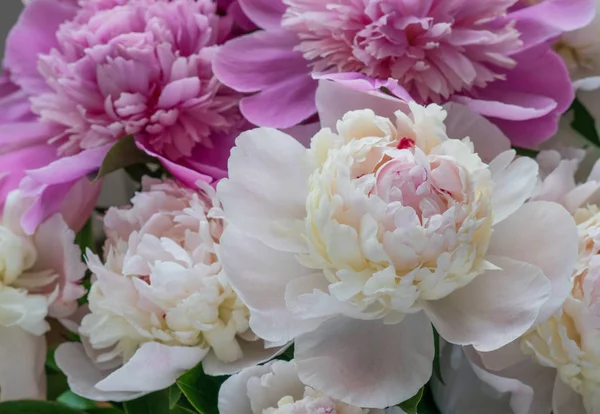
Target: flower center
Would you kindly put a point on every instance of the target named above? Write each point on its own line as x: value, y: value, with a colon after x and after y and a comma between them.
x: 434, y: 50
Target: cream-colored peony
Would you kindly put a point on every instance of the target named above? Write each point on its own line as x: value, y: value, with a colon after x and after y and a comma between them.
x: 274, y: 388
x: 159, y: 302
x: 39, y: 278
x: 556, y: 364
x: 354, y: 245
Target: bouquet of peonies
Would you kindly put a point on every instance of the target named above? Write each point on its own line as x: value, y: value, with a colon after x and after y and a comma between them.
x: 300, y: 207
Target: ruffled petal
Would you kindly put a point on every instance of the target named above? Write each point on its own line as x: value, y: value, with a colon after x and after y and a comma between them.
x: 254, y: 352
x: 233, y: 394
x: 494, y: 309
x: 543, y: 234
x: 264, y: 13
x: 367, y: 363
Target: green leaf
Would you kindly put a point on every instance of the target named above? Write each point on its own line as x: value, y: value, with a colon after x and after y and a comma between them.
x: 182, y: 410
x: 70, y: 399
x: 36, y: 407
x: 201, y: 390
x: 57, y: 384
x: 174, y: 396
x: 155, y: 403
x: 85, y: 238
x: 103, y: 410
x: 123, y: 154
x: 50, y: 362
x: 427, y: 405
x: 526, y: 152
x: 410, y: 405
x: 584, y: 123
x: 288, y: 354
x: 437, y: 369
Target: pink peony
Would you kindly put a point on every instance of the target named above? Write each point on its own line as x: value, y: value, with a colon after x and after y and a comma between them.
x: 159, y: 295
x: 107, y: 69
x: 493, y: 56
x: 39, y: 277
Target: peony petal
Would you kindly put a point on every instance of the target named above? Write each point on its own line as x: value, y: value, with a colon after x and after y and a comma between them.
x: 266, y: 191
x: 543, y: 234
x: 565, y: 400
x: 233, y: 394
x: 79, y: 203
x: 494, y: 309
x: 367, y: 363
x: 282, y: 105
x: 488, y: 140
x: 259, y: 275
x: 513, y: 183
x: 335, y: 99
x: 153, y: 367
x: 264, y: 13
x: 254, y: 352
x: 22, y: 361
x: 273, y: 61
x: 83, y: 375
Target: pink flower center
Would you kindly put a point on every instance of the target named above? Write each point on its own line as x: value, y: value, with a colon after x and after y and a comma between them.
x: 435, y: 48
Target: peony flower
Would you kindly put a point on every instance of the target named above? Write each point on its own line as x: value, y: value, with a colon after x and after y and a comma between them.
x: 555, y: 365
x: 39, y: 277
x: 159, y: 303
x: 149, y: 76
x: 274, y: 388
x: 493, y: 56
x: 353, y: 246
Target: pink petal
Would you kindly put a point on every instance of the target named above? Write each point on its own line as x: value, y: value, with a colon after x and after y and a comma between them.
x: 367, y: 363
x: 265, y: 13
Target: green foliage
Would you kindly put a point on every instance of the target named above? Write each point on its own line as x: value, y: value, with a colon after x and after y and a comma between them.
x: 437, y: 369
x: 584, y: 123
x: 411, y: 405
x: 70, y: 399
x: 123, y: 154
x: 155, y: 403
x: 36, y: 407
x: 201, y: 390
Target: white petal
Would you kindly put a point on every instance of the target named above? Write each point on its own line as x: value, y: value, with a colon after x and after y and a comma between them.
x: 513, y: 184
x: 282, y: 381
x: 590, y: 99
x: 367, y: 363
x: 233, y: 396
x: 488, y: 139
x: 334, y: 100
x: 265, y: 194
x: 83, y: 375
x: 543, y: 234
x: 259, y: 275
x: 504, y: 357
x: 153, y: 367
x: 565, y: 400
x: 22, y: 360
x: 494, y: 309
x: 254, y: 352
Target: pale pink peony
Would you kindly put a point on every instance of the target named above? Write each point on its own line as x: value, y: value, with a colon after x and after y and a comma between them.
x: 274, y: 388
x: 159, y: 295
x: 384, y: 226
x: 492, y: 55
x: 39, y: 277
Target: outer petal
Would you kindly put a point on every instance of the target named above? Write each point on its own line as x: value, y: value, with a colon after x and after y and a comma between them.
x: 273, y: 61
x: 233, y: 394
x: 254, y: 352
x: 488, y: 139
x: 153, y: 367
x: 79, y: 203
x: 514, y: 182
x: 82, y: 374
x: 36, y: 28
x: 259, y: 275
x: 543, y: 234
x: 265, y: 194
x: 565, y: 400
x: 22, y: 360
x: 367, y: 363
x: 494, y: 309
x: 265, y: 13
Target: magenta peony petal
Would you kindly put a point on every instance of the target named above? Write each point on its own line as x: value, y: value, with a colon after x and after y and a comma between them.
x: 283, y: 105
x: 34, y: 34
x: 272, y: 61
x: 265, y: 13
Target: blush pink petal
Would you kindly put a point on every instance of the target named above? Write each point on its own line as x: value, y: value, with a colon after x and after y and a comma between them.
x: 34, y: 34
x: 264, y: 13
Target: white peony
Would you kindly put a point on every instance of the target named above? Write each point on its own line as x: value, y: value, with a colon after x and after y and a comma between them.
x: 159, y: 303
x: 354, y: 245
x: 274, y: 388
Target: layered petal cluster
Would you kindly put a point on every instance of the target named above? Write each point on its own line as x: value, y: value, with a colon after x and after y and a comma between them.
x: 354, y: 245
x: 39, y: 277
x: 160, y: 293
x: 494, y: 56
x: 555, y: 365
x: 274, y: 388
